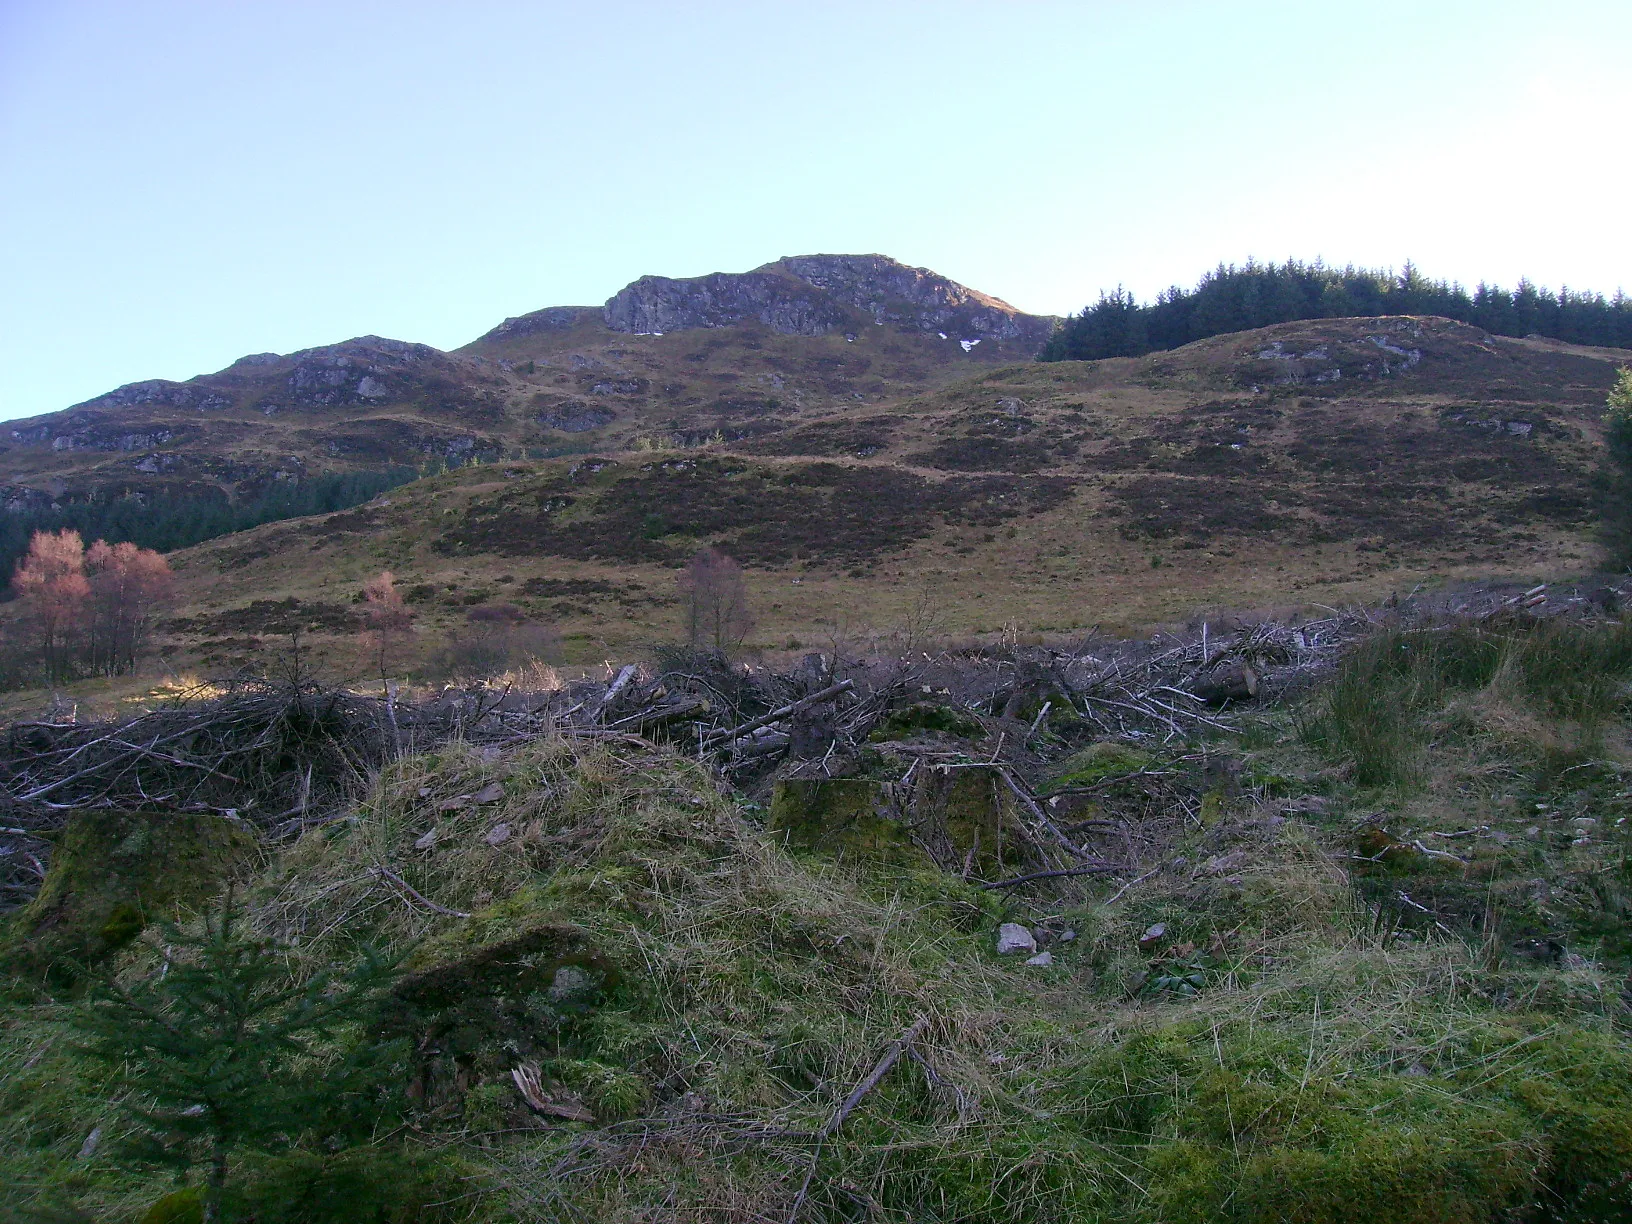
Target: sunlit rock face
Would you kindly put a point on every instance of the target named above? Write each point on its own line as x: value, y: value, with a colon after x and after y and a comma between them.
x: 811, y: 295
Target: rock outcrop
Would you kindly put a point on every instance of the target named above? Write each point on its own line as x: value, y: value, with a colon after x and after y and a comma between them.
x: 550, y: 319
x: 811, y: 295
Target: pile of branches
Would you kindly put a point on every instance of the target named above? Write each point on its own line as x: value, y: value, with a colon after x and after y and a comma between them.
x: 283, y: 756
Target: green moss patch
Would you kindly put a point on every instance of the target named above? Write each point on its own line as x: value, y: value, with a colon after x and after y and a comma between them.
x: 928, y: 716
x: 1095, y: 763
x: 111, y: 873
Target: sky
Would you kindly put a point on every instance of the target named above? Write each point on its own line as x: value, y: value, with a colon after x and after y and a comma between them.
x: 183, y: 182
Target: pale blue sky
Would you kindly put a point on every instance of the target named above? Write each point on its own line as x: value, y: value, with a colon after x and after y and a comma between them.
x: 186, y: 181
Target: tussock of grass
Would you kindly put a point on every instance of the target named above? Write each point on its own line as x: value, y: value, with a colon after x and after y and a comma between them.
x: 1563, y: 671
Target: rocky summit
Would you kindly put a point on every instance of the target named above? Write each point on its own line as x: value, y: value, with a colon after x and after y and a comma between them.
x: 811, y: 295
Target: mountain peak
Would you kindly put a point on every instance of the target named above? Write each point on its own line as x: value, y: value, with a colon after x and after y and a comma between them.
x: 811, y: 295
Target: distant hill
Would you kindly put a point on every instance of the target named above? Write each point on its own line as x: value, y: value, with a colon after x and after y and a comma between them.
x: 1309, y: 462
x: 804, y: 333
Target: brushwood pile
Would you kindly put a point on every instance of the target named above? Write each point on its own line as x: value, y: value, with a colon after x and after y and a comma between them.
x: 1309, y: 919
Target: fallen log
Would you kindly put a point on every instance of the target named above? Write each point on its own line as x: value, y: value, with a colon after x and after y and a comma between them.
x: 754, y: 724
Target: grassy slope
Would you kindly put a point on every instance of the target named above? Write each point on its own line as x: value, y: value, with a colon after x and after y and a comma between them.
x: 1348, y: 1056
x: 1126, y: 492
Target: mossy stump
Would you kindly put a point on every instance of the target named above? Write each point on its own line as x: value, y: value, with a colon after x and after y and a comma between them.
x: 112, y: 872
x: 951, y: 818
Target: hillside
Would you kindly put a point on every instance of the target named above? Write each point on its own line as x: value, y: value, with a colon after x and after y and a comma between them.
x: 1308, y: 462
x: 803, y: 334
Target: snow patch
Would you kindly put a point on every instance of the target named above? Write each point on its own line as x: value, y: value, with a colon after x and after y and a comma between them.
x: 968, y: 344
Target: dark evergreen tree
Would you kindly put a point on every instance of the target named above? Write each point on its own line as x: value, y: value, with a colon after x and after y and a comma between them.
x: 1231, y: 299
x: 223, y: 1049
x: 166, y: 523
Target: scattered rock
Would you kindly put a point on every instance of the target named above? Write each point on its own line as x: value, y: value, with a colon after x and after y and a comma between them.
x: 1042, y: 958
x: 1153, y: 936
x: 491, y: 793
x: 426, y: 840
x: 1012, y: 938
x: 498, y: 835
x: 1068, y: 936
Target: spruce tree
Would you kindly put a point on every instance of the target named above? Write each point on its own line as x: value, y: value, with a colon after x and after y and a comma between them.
x: 1618, y: 441
x: 225, y: 1048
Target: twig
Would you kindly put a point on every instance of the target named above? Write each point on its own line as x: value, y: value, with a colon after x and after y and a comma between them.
x: 880, y: 1069
x: 1096, y: 869
x: 403, y: 884
x: 1117, y: 895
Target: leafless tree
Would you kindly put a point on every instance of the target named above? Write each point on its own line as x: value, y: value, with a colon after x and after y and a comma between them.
x: 127, y: 585
x: 51, y: 580
x: 388, y: 624
x: 714, y: 600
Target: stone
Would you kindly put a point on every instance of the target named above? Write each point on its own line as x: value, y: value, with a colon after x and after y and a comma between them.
x: 491, y: 793
x: 1153, y: 936
x: 1012, y: 938
x: 426, y: 840
x: 498, y: 834
x: 1042, y: 958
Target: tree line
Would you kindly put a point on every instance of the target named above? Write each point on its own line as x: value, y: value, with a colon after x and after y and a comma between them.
x: 1230, y: 299
x: 165, y: 522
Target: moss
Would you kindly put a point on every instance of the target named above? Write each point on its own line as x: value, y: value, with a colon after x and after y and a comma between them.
x: 962, y: 813
x: 843, y: 817
x: 1095, y: 763
x: 178, y: 1207
x: 951, y: 818
x: 111, y: 873
x: 510, y: 984
x: 928, y: 716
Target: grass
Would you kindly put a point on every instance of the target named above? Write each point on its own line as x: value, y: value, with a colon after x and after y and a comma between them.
x: 1375, y: 713
x: 710, y: 998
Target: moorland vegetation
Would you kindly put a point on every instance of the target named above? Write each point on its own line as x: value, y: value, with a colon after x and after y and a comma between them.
x: 1361, y: 954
